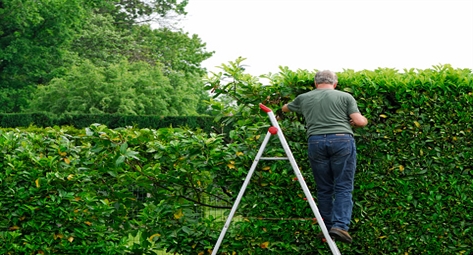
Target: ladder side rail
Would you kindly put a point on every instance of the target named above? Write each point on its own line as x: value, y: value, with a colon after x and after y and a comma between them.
x: 240, y: 194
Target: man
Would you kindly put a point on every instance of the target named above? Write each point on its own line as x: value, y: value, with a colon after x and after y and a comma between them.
x: 329, y: 115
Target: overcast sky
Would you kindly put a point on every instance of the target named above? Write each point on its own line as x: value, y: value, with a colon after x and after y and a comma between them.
x: 334, y: 34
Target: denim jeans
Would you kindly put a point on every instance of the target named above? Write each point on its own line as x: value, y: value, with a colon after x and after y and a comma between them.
x: 333, y: 161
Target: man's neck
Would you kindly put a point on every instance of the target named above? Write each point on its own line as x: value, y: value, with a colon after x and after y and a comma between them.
x: 325, y: 86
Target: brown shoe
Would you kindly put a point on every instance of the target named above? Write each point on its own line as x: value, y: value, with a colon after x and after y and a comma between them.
x: 340, y: 235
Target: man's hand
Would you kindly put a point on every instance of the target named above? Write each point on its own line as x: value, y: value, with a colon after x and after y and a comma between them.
x: 285, y: 108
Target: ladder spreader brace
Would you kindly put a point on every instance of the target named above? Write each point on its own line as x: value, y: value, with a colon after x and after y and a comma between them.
x: 276, y: 130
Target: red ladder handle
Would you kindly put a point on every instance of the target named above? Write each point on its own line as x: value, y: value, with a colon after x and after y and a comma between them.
x: 264, y: 108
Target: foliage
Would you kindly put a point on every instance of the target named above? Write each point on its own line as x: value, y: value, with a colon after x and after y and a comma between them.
x: 101, y: 42
x: 103, y: 191
x: 142, y: 190
x: 124, y: 88
x: 127, y: 13
x: 41, y: 120
x: 14, y: 99
x: 414, y: 170
x: 34, y: 36
x: 176, y: 50
x: 42, y: 41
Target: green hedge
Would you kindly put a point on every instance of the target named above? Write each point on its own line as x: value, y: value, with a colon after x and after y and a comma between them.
x: 12, y: 120
x: 414, y: 188
x: 413, y: 194
x: 414, y: 183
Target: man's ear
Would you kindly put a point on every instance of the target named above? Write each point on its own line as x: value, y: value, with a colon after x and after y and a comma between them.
x: 335, y: 85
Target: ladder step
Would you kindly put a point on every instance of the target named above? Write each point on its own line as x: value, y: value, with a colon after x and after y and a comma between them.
x: 274, y: 158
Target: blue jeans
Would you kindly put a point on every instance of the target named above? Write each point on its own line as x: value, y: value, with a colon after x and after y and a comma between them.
x: 333, y: 161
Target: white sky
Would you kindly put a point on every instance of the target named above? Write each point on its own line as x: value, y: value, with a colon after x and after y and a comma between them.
x: 334, y: 34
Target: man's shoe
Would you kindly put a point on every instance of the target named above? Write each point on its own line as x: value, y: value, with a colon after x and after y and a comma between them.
x: 340, y: 235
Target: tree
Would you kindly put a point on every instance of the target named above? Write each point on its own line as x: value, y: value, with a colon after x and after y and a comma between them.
x: 33, y: 40
x: 125, y: 88
x: 127, y: 13
x: 41, y: 41
x: 101, y: 42
x: 177, y: 50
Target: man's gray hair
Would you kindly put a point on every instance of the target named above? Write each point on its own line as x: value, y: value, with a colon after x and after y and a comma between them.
x: 325, y: 77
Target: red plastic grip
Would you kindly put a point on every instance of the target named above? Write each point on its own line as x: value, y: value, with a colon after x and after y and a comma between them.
x: 264, y: 108
x: 273, y: 130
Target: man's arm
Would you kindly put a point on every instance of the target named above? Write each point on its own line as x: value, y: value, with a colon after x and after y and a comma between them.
x: 285, y: 108
x: 358, y: 120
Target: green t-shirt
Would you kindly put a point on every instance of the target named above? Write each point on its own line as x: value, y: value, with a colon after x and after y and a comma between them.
x: 326, y: 111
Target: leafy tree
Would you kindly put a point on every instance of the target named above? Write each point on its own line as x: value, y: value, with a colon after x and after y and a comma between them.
x: 128, y: 13
x: 101, y: 42
x: 41, y: 41
x: 125, y: 88
x: 12, y: 99
x: 179, y: 53
x: 177, y: 50
x: 33, y: 39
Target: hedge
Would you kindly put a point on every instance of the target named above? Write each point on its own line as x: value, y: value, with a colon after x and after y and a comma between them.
x: 13, y: 120
x: 413, y: 187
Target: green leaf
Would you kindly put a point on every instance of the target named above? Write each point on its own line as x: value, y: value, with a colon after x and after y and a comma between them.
x: 120, y: 160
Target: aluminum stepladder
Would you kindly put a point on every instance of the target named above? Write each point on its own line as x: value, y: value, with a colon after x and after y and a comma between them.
x: 273, y: 130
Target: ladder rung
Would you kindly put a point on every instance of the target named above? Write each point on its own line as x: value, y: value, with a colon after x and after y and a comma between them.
x: 274, y: 158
